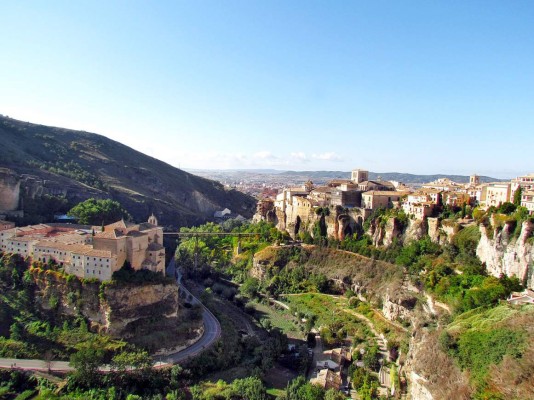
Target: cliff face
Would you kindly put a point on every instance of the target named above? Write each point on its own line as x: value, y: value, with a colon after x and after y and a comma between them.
x: 40, y: 160
x: 339, y: 222
x: 9, y: 190
x: 121, y: 311
x: 505, y: 255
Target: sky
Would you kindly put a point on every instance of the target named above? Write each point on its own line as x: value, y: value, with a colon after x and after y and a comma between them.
x: 406, y: 86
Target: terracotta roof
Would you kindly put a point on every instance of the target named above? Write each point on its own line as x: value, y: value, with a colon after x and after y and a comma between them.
x: 119, y: 224
x: 384, y: 193
x: 98, y: 253
x: 322, y: 189
x: 29, y: 238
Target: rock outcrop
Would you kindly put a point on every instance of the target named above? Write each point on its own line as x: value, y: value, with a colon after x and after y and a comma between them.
x: 121, y: 310
x: 507, y: 255
x: 9, y: 190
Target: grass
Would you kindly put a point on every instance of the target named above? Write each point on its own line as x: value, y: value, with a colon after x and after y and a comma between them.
x: 275, y: 392
x: 329, y: 312
x: 479, y: 319
x: 281, y: 319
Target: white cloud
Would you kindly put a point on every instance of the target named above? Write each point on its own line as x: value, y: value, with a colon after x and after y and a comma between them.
x: 266, y: 155
x: 329, y: 156
x: 300, y: 156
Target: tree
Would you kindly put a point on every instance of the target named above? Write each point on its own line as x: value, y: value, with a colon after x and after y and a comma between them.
x: 126, y: 360
x: 96, y: 212
x: 507, y: 208
x: 250, y: 287
x: 250, y: 388
x: 87, y: 362
x: 332, y: 394
x: 371, y: 358
x: 517, y: 196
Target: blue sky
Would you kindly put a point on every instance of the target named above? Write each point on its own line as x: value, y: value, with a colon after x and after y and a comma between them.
x: 408, y: 86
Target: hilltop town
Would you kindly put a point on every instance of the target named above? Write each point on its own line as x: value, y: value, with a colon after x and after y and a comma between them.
x: 356, y: 199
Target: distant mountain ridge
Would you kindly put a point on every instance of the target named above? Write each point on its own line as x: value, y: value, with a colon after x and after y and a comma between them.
x: 324, y: 176
x: 79, y: 165
x: 388, y: 176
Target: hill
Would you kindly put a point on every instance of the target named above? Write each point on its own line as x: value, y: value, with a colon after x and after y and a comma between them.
x: 38, y: 160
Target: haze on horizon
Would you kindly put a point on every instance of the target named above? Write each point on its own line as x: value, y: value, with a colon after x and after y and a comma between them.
x: 417, y: 87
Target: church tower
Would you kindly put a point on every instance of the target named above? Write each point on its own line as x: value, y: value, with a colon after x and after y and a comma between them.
x: 153, y: 220
x: 474, y: 180
x: 359, y: 175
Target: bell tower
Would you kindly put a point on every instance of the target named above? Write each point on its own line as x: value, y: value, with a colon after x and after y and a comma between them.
x: 474, y: 180
x: 359, y: 175
x: 153, y: 220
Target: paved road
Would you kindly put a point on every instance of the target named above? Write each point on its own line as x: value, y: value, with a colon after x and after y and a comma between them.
x: 35, y: 365
x: 212, y: 328
x: 212, y: 332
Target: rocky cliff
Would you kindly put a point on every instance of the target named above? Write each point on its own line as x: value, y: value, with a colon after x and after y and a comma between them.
x: 505, y: 254
x: 123, y: 310
x: 9, y: 190
x: 39, y: 160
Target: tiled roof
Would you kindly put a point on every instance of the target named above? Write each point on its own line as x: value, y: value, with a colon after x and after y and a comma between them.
x: 384, y: 193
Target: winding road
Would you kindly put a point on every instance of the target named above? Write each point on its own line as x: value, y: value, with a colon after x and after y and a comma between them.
x: 212, y: 328
x: 212, y: 332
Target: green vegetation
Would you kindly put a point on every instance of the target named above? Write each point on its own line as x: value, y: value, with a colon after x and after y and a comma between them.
x: 328, y: 313
x: 40, y: 209
x: 99, y: 212
x: 506, y: 214
x: 481, y: 338
x: 452, y: 272
x: 250, y: 388
x: 28, y: 331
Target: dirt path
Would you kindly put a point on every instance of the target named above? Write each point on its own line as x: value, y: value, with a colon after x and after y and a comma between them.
x: 381, y: 341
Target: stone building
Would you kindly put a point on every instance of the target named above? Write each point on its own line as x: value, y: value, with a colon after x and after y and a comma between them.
x: 376, y: 199
x: 527, y: 201
x: 139, y: 244
x: 359, y: 175
x: 525, y: 182
x: 444, y: 184
x: 422, y: 203
x: 495, y: 194
x: 86, y: 253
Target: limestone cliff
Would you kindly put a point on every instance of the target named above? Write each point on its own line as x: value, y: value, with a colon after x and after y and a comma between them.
x: 507, y: 255
x: 339, y: 222
x: 122, y: 310
x: 9, y: 190
x: 383, y: 234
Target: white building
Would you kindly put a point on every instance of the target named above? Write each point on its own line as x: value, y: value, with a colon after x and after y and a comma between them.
x: 527, y: 201
x: 495, y: 194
